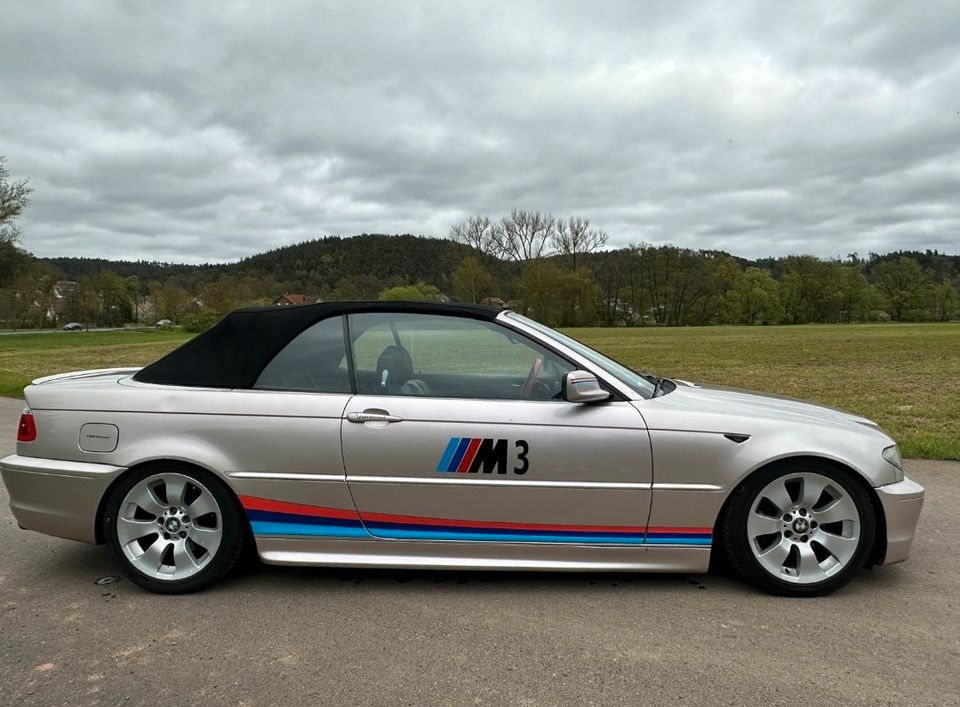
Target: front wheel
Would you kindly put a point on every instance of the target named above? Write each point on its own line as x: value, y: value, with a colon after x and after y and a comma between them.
x: 799, y: 528
x: 173, y: 528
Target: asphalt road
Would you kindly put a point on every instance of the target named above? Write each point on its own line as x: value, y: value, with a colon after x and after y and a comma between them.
x: 12, y: 332
x: 317, y: 636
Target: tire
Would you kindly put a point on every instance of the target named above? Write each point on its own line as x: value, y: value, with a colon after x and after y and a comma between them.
x: 799, y: 528
x: 173, y: 528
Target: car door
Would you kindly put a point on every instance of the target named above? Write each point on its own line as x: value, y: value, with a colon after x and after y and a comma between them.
x: 284, y: 435
x: 459, y: 432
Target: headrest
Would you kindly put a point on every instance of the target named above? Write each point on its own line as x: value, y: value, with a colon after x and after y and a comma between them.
x: 394, y: 368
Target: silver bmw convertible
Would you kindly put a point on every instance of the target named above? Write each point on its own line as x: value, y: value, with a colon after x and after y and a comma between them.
x: 386, y: 434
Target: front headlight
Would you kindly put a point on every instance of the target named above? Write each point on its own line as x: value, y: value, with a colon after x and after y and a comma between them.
x: 892, y: 455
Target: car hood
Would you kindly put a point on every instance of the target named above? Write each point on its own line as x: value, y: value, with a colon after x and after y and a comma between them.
x: 716, y: 408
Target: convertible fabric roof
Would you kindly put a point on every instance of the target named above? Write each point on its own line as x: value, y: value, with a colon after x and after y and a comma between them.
x: 232, y: 354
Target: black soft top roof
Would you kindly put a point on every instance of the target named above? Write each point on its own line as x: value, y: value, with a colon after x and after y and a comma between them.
x: 234, y: 352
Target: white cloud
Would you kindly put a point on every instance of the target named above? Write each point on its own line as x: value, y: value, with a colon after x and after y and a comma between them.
x: 208, y: 132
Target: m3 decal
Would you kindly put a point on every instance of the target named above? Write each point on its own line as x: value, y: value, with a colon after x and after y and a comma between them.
x: 474, y: 455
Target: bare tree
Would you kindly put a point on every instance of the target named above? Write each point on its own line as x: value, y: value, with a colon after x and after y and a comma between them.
x: 477, y: 232
x: 14, y: 197
x: 574, y: 236
x: 525, y: 235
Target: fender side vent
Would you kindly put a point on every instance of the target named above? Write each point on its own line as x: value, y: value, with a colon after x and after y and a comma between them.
x: 736, y: 438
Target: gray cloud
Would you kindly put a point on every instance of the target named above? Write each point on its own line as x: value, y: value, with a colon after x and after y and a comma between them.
x: 194, y: 132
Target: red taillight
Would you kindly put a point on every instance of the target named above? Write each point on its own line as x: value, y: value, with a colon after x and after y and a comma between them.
x: 27, y: 431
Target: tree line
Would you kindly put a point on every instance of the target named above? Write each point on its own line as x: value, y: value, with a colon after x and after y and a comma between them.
x: 556, y: 269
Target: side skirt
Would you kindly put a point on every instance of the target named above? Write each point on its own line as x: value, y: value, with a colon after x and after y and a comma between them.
x: 482, y: 556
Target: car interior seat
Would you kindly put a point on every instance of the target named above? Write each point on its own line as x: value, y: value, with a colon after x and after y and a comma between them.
x: 395, y: 373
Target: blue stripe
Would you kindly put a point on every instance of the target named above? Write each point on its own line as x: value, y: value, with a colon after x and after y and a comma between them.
x: 298, y: 519
x: 261, y: 527
x: 458, y: 455
x: 448, y: 454
x: 380, y: 527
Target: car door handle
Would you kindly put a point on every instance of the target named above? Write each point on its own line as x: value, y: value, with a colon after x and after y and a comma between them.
x: 372, y: 416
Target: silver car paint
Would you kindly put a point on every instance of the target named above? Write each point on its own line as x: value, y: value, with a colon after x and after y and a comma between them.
x: 663, y: 462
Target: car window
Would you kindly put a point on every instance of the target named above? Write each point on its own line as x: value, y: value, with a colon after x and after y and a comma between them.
x: 639, y: 382
x: 451, y: 357
x: 314, y: 361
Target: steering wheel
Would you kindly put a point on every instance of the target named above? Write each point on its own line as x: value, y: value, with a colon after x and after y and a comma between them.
x: 531, y: 378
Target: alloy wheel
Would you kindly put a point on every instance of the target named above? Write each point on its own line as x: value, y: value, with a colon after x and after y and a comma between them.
x: 803, y: 528
x: 169, y: 526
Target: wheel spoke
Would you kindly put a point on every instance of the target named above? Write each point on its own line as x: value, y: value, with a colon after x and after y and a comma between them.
x: 146, y: 500
x: 841, y: 509
x: 152, y: 558
x: 808, y: 567
x: 201, y: 506
x: 777, y: 494
x: 812, y: 490
x: 759, y: 524
x: 181, y: 557
x: 840, y: 547
x: 175, y: 486
x: 207, y: 538
x: 772, y: 558
x: 129, y: 530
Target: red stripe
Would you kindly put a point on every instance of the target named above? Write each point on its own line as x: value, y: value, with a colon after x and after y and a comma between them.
x: 696, y: 531
x: 253, y: 503
x: 468, y: 457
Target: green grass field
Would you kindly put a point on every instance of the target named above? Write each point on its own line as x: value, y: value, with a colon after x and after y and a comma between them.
x: 904, y: 376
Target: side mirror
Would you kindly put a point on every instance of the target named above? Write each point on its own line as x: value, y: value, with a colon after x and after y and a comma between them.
x: 583, y: 387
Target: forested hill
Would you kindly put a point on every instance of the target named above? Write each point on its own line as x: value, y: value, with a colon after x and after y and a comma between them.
x: 145, y: 270
x: 402, y: 258
x: 322, y: 262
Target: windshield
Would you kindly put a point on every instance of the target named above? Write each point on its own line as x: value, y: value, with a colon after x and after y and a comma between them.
x: 640, y: 383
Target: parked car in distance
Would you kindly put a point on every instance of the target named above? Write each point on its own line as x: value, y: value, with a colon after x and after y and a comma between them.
x: 73, y: 326
x: 164, y: 323
x: 404, y: 434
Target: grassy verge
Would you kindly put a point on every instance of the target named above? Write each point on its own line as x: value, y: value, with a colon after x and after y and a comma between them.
x: 24, y: 357
x: 904, y: 376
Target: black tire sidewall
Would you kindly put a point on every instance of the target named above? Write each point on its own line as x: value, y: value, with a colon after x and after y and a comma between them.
x: 231, y: 543
x: 736, y: 541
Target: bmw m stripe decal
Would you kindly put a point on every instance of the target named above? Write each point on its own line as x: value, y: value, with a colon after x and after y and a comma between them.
x: 268, y: 517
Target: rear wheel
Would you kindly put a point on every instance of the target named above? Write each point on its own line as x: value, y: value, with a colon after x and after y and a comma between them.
x: 173, y: 528
x: 799, y: 528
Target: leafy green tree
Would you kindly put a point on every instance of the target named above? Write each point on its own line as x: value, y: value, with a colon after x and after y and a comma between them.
x: 471, y: 280
x: 200, y: 321
x: 357, y: 287
x: 421, y: 292
x: 905, y: 288
x: 108, y: 299
x: 945, y: 300
x: 170, y: 301
x: 754, y: 299
x: 557, y: 296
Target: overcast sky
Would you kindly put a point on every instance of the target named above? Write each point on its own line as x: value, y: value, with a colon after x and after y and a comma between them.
x: 209, y: 131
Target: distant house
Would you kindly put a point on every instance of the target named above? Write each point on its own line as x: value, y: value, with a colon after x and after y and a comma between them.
x: 288, y: 299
